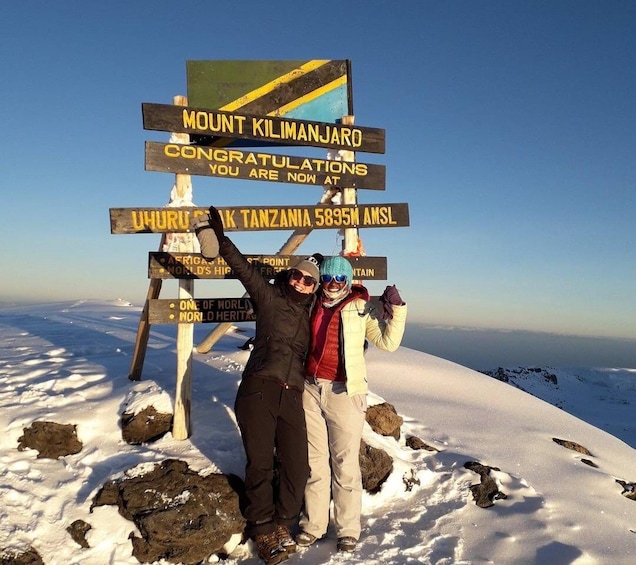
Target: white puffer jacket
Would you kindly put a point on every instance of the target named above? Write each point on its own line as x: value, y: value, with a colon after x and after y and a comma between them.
x: 360, y: 320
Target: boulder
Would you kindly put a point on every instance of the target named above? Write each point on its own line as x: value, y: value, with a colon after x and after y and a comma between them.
x: 183, y: 517
x: 28, y: 557
x: 145, y: 426
x: 376, y: 466
x: 50, y: 439
x: 384, y: 420
x: 416, y: 444
x: 486, y: 492
x: 78, y: 531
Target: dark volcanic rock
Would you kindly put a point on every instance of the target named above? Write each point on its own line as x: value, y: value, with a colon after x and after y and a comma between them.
x: 487, y: 491
x: 145, y: 426
x: 572, y: 445
x: 416, y: 443
x: 376, y: 466
x: 78, y: 530
x: 629, y: 489
x: 29, y: 557
x: 50, y: 439
x: 183, y: 517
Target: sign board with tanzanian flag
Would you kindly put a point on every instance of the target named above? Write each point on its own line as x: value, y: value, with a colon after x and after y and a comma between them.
x: 317, y: 89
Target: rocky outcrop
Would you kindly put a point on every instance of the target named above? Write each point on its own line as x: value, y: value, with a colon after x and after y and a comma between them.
x: 376, y: 466
x: 183, y: 517
x: 28, y: 557
x: 384, y: 420
x: 50, y: 439
x: 487, y: 491
x: 78, y: 531
x: 145, y: 426
x: 416, y: 444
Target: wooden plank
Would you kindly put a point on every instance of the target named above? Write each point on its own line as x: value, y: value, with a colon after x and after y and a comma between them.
x: 194, y: 266
x: 271, y: 129
x: 253, y: 165
x: 200, y: 311
x: 261, y: 218
x: 205, y: 310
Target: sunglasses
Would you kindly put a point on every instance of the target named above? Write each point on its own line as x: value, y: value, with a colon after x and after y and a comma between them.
x: 338, y: 278
x: 307, y: 280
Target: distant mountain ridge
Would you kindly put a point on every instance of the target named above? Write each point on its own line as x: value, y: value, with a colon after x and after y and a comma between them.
x: 613, y: 392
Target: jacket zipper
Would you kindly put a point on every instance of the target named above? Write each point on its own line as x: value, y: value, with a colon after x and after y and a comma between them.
x: 285, y: 385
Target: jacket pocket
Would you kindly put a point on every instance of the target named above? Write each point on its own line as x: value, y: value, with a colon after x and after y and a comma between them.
x: 359, y: 401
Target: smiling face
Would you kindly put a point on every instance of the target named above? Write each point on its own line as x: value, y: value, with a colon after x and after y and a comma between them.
x: 334, y: 287
x: 302, y: 281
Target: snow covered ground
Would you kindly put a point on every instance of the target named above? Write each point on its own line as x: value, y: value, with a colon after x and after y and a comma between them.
x: 68, y: 363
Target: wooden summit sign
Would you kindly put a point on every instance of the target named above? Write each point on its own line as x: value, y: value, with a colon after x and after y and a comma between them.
x: 203, y: 121
x: 254, y: 165
x: 255, y: 218
x: 162, y: 265
x: 251, y: 104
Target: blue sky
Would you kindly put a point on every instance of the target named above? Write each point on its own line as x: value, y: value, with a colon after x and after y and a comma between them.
x: 510, y: 131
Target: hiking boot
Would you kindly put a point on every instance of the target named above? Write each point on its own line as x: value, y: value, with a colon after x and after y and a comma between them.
x: 347, y: 544
x: 304, y: 539
x: 269, y: 548
x: 285, y: 539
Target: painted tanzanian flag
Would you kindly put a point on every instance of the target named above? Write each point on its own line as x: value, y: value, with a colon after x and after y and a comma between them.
x: 316, y: 90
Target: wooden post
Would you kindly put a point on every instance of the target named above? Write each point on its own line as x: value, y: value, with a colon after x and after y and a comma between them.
x: 143, y: 329
x: 350, y: 243
x: 181, y: 424
x: 183, y: 243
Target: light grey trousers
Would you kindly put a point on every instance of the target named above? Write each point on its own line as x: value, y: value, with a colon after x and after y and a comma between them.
x: 334, y: 430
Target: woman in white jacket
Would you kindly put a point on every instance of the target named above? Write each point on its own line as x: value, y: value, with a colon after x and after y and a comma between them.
x: 335, y: 400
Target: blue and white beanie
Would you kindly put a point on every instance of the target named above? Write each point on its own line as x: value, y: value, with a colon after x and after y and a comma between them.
x: 337, y: 265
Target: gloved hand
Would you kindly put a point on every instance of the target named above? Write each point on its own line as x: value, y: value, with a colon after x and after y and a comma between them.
x: 216, y: 224
x: 390, y: 297
x: 209, y: 232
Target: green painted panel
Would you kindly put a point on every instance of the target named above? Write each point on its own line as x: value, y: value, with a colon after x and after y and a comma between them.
x: 272, y: 87
x: 213, y: 84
